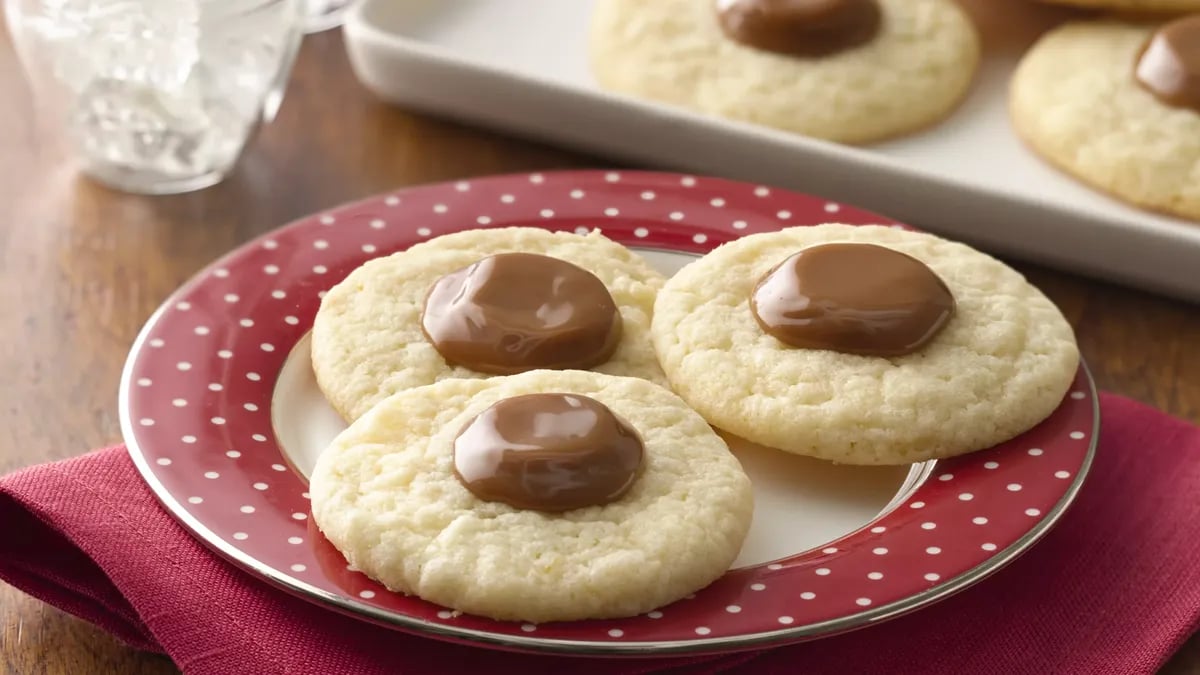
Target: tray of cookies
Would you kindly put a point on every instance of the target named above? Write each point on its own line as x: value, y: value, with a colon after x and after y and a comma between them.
x: 605, y: 412
x: 1029, y: 129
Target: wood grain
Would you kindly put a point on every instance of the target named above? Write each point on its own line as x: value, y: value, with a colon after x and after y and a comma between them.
x: 81, y: 268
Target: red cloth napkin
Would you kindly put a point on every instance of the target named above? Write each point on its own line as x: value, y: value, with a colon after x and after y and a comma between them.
x: 1114, y: 588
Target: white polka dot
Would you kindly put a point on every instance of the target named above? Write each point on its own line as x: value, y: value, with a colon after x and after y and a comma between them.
x: 270, y: 244
x: 446, y: 614
x: 688, y: 181
x: 576, y: 194
x: 183, y: 365
x: 507, y: 199
x: 1062, y: 474
x: 699, y: 238
x: 233, y: 454
x: 278, y: 294
x: 179, y: 402
x: 703, y: 630
x: 612, y: 177
x: 299, y: 516
x: 221, y: 272
x: 654, y: 615
x: 241, y: 536
x: 1036, y: 452
x: 733, y: 609
x: 1033, y: 513
x: 878, y: 529
x: 250, y: 406
x: 156, y: 342
x: 201, y: 330
x: 774, y: 566
x: 610, y: 211
x: 366, y: 595
x: 615, y: 632
x: 320, y: 269
x: 863, y: 602
x: 267, y: 347
x: 784, y: 215
x: 832, y: 208
x: 675, y: 215
x: 320, y: 244
x: 829, y: 550
x: 648, y: 195
x: 928, y: 526
x: 641, y: 233
x: 218, y: 420
x: 377, y: 224
x: 258, y: 437
x: 758, y: 587
x: 246, y: 323
x: 988, y: 547
x: 536, y: 178
x: 946, y: 477
x: 917, y: 505
x: 822, y: 571
x: 979, y: 520
x: 739, y: 224
x: 163, y: 461
x: 278, y: 467
x: 717, y: 202
x: 933, y: 550
x: 253, y: 377
x: 786, y: 620
x: 260, y: 486
x: 189, y: 439
x: 875, y: 576
x: 761, y: 191
x: 326, y: 220
x: 483, y: 220
x: 462, y: 186
x: 807, y: 595
x: 211, y: 475
x: 231, y: 297
x: 991, y: 465
x: 965, y: 496
x: 527, y: 627
x: 1077, y: 435
x: 195, y: 500
x: 144, y: 382
x: 546, y: 213
x: 582, y: 229
x: 932, y: 577
x: 879, y: 551
x: 247, y: 509
x: 215, y: 386
x: 298, y: 567
x: 440, y: 208
x: 1014, y: 487
x: 1077, y: 395
x: 224, y: 354
x: 424, y: 231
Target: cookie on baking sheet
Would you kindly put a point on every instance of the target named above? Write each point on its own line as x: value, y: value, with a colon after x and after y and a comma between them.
x: 1080, y: 98
x: 874, y: 69
x: 610, y: 531
x: 506, y: 300
x: 873, y: 345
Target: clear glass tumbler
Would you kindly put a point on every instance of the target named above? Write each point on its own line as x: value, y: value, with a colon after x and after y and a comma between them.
x: 157, y: 96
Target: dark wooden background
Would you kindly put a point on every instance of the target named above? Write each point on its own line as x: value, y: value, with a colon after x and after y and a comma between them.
x: 81, y: 268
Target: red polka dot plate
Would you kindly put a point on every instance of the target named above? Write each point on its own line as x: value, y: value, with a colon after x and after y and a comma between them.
x: 222, y: 416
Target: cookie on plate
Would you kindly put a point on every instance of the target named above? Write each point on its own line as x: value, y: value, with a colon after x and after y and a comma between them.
x: 1117, y: 105
x: 480, y: 303
x: 852, y: 71
x: 862, y: 345
x: 543, y: 496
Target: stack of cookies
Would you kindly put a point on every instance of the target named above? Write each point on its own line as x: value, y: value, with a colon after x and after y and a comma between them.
x: 1111, y: 96
x: 534, y: 415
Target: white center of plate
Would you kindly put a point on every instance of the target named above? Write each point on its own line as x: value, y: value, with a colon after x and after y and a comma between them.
x: 799, y: 503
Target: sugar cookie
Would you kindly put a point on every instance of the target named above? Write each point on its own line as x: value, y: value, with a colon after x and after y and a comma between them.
x: 369, y: 339
x: 999, y: 365
x: 911, y: 74
x: 386, y: 494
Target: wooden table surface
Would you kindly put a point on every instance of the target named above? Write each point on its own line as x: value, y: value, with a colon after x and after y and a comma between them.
x: 81, y: 268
